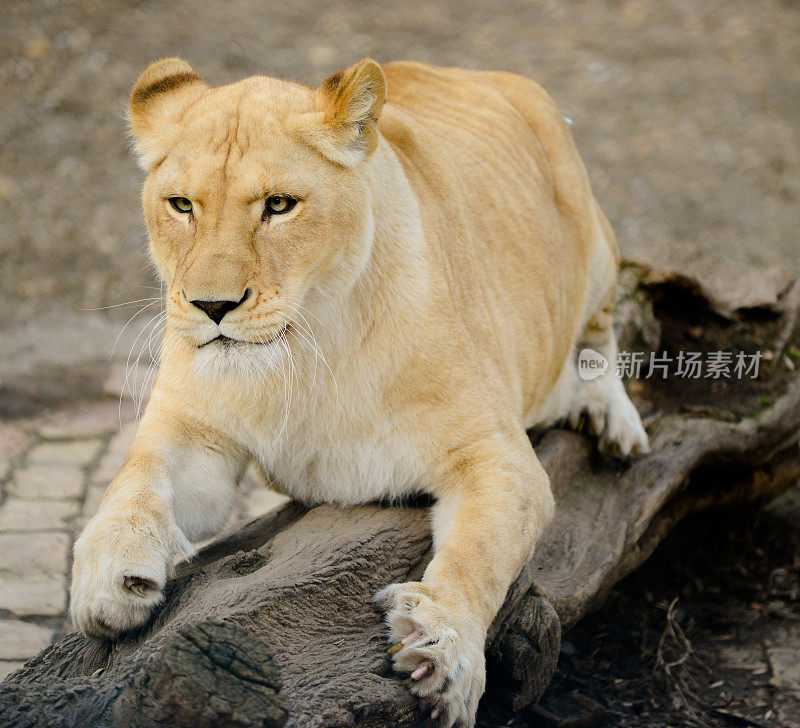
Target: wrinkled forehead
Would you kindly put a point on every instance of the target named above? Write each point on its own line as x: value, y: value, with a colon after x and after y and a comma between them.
x: 238, y: 136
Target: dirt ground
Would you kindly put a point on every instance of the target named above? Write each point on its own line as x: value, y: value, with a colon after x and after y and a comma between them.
x: 686, y: 113
x: 700, y: 636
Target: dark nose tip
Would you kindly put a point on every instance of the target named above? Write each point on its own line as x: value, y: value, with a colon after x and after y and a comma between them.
x: 216, y: 310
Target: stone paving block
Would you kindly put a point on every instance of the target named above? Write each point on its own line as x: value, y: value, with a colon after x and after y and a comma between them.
x: 44, y: 552
x: 7, y: 667
x: 108, y: 467
x: 114, y: 456
x: 53, y: 482
x: 91, y: 504
x: 17, y: 514
x: 89, y: 420
x: 34, y: 594
x: 78, y: 453
x: 13, y: 441
x: 127, y: 382
x: 93, y: 497
x: 785, y: 664
x: 21, y: 640
x: 5, y: 468
x: 123, y: 439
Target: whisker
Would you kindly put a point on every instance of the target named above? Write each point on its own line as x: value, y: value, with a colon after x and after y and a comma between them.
x: 317, y: 355
x: 152, y: 325
x: 312, y: 343
x: 152, y: 368
x: 315, y: 346
x: 124, y: 303
x: 299, y: 304
x: 288, y: 381
x: 130, y: 388
x: 143, y: 308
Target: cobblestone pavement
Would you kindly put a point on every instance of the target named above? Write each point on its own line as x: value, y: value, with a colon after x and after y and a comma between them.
x: 54, y: 470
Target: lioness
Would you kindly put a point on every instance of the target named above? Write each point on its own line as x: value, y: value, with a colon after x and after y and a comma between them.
x: 372, y: 299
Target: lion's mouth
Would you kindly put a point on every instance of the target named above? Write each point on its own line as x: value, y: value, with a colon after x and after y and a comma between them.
x: 227, y: 342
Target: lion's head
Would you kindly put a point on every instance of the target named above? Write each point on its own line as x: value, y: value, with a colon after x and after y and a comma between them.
x: 257, y: 194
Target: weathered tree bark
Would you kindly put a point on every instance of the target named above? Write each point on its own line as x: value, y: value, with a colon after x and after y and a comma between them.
x: 274, y: 625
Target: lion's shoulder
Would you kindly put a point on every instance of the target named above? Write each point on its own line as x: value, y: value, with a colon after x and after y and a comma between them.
x: 456, y: 106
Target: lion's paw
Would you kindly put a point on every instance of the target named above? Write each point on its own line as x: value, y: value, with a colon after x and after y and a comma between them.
x: 118, y: 576
x: 602, y: 407
x: 440, y: 651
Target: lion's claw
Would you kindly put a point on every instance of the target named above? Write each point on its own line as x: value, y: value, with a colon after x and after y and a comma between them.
x: 137, y: 585
x: 421, y: 670
x: 441, y: 653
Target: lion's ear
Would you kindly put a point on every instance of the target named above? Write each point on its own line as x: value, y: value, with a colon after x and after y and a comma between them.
x: 157, y: 99
x: 349, y: 104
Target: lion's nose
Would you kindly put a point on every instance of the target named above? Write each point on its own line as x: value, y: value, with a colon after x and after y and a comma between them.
x: 216, y: 310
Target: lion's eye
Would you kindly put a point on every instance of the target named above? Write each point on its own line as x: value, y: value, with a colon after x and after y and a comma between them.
x: 278, y: 205
x: 181, y: 204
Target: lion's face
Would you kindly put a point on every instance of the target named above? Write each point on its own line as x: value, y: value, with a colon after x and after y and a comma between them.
x: 257, y: 195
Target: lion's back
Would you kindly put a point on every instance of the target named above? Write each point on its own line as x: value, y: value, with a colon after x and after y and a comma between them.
x: 505, y: 199
x: 465, y: 110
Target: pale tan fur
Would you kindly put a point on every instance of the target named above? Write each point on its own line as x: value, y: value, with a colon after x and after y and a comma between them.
x: 443, y: 262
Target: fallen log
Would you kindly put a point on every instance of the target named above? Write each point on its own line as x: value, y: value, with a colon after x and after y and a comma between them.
x: 274, y: 625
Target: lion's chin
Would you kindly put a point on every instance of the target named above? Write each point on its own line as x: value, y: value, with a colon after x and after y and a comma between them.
x: 226, y: 341
x: 226, y: 358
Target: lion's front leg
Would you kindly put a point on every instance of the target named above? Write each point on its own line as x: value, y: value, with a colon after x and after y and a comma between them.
x: 494, y: 503
x: 177, y: 485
